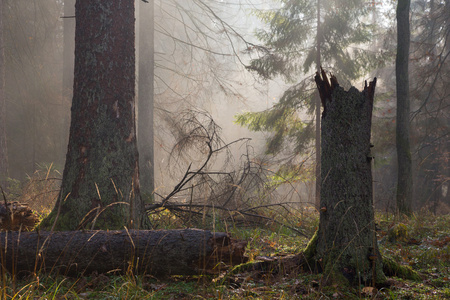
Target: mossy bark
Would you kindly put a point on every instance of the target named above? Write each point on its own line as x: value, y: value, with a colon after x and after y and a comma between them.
x: 100, y: 187
x: 346, y: 249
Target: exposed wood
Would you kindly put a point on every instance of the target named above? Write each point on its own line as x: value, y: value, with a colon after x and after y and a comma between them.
x: 157, y: 252
x: 325, y: 87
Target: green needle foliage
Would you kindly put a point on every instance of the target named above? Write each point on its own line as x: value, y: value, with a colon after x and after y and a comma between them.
x: 289, y: 51
x: 282, y: 119
x: 290, y: 39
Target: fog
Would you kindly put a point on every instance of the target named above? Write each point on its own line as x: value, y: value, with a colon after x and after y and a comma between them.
x: 201, y: 50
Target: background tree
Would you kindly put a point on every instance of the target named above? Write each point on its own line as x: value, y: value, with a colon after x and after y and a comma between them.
x: 430, y: 98
x: 33, y: 62
x: 196, y: 68
x: 317, y: 110
x: 3, y: 149
x: 190, y: 47
x: 288, y: 52
x: 100, y: 187
x: 146, y: 65
x: 68, y: 68
x: 404, y: 185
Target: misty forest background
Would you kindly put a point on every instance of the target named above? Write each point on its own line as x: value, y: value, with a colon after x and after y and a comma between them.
x: 209, y: 74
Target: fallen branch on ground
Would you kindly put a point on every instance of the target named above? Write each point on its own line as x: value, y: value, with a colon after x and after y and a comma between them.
x: 187, y: 208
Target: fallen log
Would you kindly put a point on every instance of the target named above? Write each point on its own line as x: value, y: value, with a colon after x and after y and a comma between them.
x: 156, y: 252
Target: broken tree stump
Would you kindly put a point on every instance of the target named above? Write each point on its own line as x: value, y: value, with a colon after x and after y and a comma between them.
x: 156, y: 252
x: 347, y: 249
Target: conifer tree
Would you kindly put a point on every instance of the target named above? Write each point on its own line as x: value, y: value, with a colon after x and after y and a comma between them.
x: 100, y: 186
x: 3, y: 152
x: 292, y: 48
x: 404, y: 163
x: 429, y: 68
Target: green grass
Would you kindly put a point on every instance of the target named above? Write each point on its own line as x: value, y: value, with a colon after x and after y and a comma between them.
x: 426, y: 251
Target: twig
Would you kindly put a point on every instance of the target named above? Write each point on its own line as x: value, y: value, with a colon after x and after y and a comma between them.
x: 231, y: 211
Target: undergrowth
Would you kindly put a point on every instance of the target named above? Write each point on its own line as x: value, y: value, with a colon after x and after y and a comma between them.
x: 426, y: 250
x: 421, y: 242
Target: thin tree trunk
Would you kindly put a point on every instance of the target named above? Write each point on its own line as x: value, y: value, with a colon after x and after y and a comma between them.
x: 158, y: 252
x: 3, y: 148
x: 318, y: 63
x: 100, y: 187
x: 145, y: 97
x: 405, y: 182
x: 68, y: 68
x: 347, y: 248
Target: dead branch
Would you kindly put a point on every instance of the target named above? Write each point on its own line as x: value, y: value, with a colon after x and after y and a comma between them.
x: 187, y: 208
x: 235, y: 194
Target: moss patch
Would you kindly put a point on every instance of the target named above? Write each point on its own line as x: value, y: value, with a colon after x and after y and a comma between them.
x: 310, y: 252
x: 392, y: 268
x: 398, y: 233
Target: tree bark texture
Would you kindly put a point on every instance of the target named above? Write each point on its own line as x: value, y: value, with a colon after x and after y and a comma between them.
x: 157, y: 252
x: 100, y: 187
x: 3, y: 149
x: 346, y: 243
x: 145, y: 97
x: 404, y: 163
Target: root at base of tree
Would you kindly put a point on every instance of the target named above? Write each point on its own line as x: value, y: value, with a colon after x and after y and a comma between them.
x: 305, y: 262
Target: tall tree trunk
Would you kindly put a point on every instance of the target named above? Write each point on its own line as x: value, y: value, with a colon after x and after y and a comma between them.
x: 145, y: 97
x: 318, y: 63
x: 3, y: 148
x: 68, y: 65
x: 346, y: 242
x: 405, y: 182
x: 100, y: 187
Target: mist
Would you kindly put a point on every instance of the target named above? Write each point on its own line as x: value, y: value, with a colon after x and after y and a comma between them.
x: 201, y: 51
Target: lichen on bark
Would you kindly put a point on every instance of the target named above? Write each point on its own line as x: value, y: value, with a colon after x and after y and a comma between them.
x: 100, y: 187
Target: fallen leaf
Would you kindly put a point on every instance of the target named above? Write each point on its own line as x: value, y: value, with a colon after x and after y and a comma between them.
x: 368, y: 290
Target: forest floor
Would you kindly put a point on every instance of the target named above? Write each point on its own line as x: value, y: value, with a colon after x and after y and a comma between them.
x: 423, y: 242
